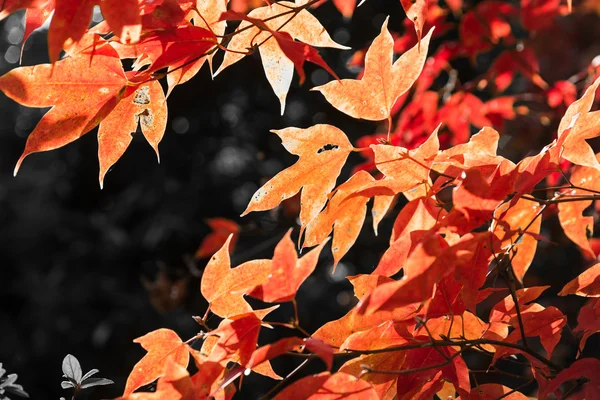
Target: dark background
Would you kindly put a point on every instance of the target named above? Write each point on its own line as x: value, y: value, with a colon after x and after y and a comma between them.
x: 74, y: 257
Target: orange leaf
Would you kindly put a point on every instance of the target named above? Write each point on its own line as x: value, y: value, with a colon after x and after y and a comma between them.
x: 345, y: 214
x: 326, y: 386
x: 577, y: 125
x: 323, y: 150
x: 72, y: 18
x: 373, y: 96
x: 505, y: 310
x: 221, y: 229
x: 82, y: 90
x: 576, y: 226
x: 412, y: 224
x: 224, y: 288
x: 416, y: 12
x: 205, y: 15
x: 509, y: 224
x: 582, y: 368
x: 588, y: 322
x: 287, y: 272
x: 587, y: 284
x: 160, y: 344
x: 144, y: 105
x: 406, y: 169
x: 278, y: 68
x: 336, y: 332
x: 237, y: 339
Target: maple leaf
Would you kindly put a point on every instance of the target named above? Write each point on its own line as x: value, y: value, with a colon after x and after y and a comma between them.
x: 287, y: 272
x: 344, y: 214
x: 232, y: 341
x: 577, y: 125
x: 416, y: 12
x: 221, y: 229
x: 35, y: 17
x: 282, y: 346
x: 170, y: 48
x: 327, y: 386
x: 373, y: 96
x: 576, y: 226
x: 582, y: 368
x: 588, y: 322
x: 224, y: 288
x: 82, y: 90
x: 160, y: 344
x: 412, y: 224
x: 587, y: 284
x: 337, y: 331
x: 505, y: 309
x: 406, y: 169
x: 237, y: 339
x: 71, y: 19
x: 205, y: 15
x: 323, y: 150
x: 547, y: 323
x: 430, y: 261
x: 10, y: 6
x: 481, y: 190
x: 279, y: 68
x: 143, y: 105
x: 517, y: 225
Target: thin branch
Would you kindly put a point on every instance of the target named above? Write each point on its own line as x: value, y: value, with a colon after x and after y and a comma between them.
x: 288, y: 377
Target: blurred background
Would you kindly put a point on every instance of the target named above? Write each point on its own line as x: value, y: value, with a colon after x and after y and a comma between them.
x: 85, y: 271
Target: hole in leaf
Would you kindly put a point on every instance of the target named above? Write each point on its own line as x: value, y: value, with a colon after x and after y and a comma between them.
x: 328, y: 147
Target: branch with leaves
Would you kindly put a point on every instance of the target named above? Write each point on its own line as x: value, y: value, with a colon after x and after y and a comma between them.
x: 470, y: 215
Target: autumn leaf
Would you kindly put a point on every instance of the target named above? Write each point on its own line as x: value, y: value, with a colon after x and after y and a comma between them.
x: 231, y: 342
x: 221, y: 229
x: 582, y: 368
x: 160, y: 345
x: 412, y: 224
x: 326, y: 386
x: 143, y: 105
x: 587, y: 284
x: 35, y: 17
x: 278, y: 67
x: 170, y: 48
x: 282, y: 346
x: 237, y: 339
x: 224, y: 288
x: 406, y: 169
x: 287, y: 272
x: 545, y: 323
x: 82, y: 90
x: 205, y: 15
x: 72, y: 18
x: 323, y: 150
x: 516, y: 226
x: 373, y: 96
x: 588, y: 322
x: 577, y: 125
x: 505, y: 309
x: 337, y: 331
x: 345, y: 214
x: 416, y: 12
x: 579, y: 227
